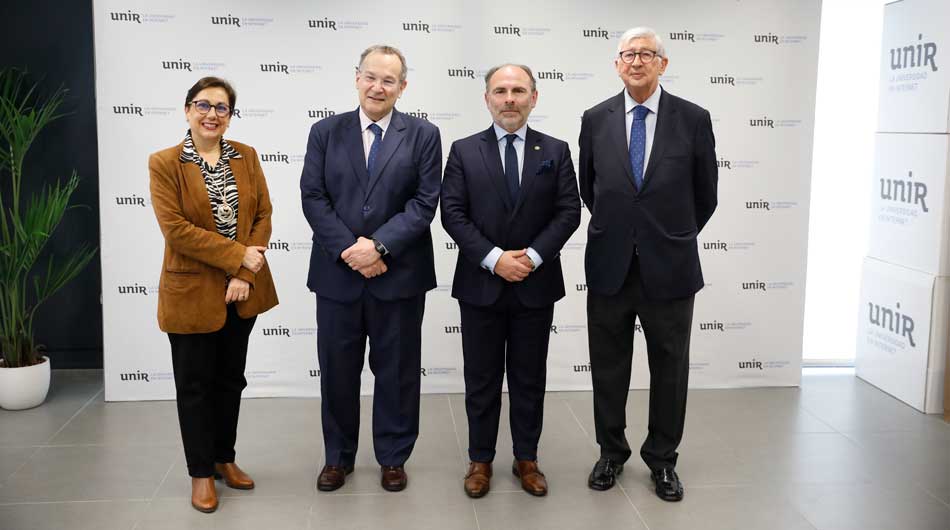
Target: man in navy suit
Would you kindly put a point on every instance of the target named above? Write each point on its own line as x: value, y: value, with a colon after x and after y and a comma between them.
x: 648, y: 176
x: 509, y: 200
x: 370, y: 186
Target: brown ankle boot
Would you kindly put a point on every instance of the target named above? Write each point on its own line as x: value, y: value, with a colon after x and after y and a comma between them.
x: 233, y: 476
x: 204, y: 497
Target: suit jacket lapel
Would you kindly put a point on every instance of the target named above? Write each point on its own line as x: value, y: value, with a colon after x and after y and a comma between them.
x: 617, y: 130
x: 493, y: 167
x: 391, y: 140
x: 242, y: 180
x: 353, y: 143
x: 197, y: 192
x: 661, y: 136
x: 533, y: 153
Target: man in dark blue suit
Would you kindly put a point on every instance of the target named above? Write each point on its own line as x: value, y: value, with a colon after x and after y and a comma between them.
x: 648, y: 176
x: 370, y: 187
x: 509, y: 200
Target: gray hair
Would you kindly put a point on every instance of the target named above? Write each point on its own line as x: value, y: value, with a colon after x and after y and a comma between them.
x: 491, y: 72
x: 386, y: 50
x: 642, y: 32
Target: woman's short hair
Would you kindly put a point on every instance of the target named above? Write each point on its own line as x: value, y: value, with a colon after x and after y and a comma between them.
x: 212, y: 82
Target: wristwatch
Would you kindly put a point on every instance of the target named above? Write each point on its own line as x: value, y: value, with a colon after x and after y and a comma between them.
x: 381, y: 248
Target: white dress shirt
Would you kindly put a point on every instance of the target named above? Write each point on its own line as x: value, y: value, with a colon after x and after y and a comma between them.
x: 653, y: 104
x: 368, y: 135
x: 492, y: 258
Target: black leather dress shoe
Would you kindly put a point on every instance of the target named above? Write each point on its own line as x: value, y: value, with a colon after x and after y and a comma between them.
x: 393, y: 478
x: 668, y: 485
x: 333, y: 477
x: 604, y: 475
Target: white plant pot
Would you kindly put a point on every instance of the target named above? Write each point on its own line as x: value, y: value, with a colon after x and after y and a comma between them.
x: 25, y: 387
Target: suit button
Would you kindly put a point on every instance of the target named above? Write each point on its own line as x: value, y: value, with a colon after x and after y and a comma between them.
x: 367, y: 207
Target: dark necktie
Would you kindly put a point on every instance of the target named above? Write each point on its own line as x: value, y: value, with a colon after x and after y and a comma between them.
x: 638, y: 142
x: 511, y: 168
x: 374, y: 149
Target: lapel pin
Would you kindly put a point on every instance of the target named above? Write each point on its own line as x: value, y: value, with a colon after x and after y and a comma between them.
x: 537, y: 148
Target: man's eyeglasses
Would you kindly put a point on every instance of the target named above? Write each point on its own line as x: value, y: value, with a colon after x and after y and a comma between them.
x: 204, y: 107
x: 646, y: 56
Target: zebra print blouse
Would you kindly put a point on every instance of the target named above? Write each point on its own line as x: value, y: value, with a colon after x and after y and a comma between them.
x: 219, y: 181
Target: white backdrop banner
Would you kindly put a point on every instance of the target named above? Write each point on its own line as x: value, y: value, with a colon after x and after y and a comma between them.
x: 901, y: 343
x: 915, y: 75
x: 910, y: 218
x: 752, y: 64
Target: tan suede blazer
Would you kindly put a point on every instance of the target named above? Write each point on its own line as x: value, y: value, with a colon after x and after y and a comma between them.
x: 192, y: 286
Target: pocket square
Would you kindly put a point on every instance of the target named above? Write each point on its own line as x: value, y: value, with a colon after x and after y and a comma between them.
x: 546, y: 165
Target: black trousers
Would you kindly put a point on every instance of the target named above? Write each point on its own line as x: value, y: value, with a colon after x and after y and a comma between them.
x: 209, y: 378
x: 505, y: 336
x: 394, y: 330
x: 666, y: 326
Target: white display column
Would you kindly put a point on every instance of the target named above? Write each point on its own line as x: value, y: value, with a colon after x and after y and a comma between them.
x: 903, y: 320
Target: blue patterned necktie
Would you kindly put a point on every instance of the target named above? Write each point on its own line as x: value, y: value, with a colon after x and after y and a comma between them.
x: 638, y: 142
x: 511, y: 168
x: 374, y: 149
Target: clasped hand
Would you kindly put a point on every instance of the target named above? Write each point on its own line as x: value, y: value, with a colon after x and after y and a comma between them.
x: 514, y: 265
x: 238, y: 291
x: 253, y: 258
x: 363, y: 258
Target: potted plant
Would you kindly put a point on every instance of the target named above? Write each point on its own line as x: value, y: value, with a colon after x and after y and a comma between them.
x: 25, y: 227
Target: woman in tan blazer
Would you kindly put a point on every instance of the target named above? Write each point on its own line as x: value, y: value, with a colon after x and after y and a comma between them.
x: 212, y: 205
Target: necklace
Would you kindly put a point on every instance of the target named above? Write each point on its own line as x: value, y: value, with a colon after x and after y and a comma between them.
x: 225, y: 213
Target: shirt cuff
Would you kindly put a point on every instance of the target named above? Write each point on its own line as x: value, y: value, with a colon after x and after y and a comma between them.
x: 491, y: 259
x: 535, y: 257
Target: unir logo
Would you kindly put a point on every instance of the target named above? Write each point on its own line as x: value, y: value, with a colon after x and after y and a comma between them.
x: 415, y: 26
x: 683, y: 35
x: 180, y: 64
x: 134, y: 376
x: 595, y: 33
x: 275, y: 68
x: 510, y: 29
x: 279, y: 331
x: 422, y: 115
x: 226, y: 21
x: 892, y: 320
x: 133, y: 289
x: 127, y: 109
x: 753, y: 286
x: 905, y: 191
x: 279, y: 245
x: 750, y: 365
x: 132, y: 200
x: 275, y: 157
x: 128, y: 16
x: 316, y: 113
x: 326, y: 23
x: 462, y: 72
x: 913, y: 56
x: 722, y: 80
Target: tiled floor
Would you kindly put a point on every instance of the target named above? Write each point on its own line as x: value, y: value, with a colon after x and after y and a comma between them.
x: 834, y: 454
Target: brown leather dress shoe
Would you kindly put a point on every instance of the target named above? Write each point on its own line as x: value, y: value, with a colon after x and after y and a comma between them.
x: 333, y: 477
x: 532, y: 479
x: 478, y: 479
x: 234, y: 477
x: 204, y: 497
x: 393, y: 478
